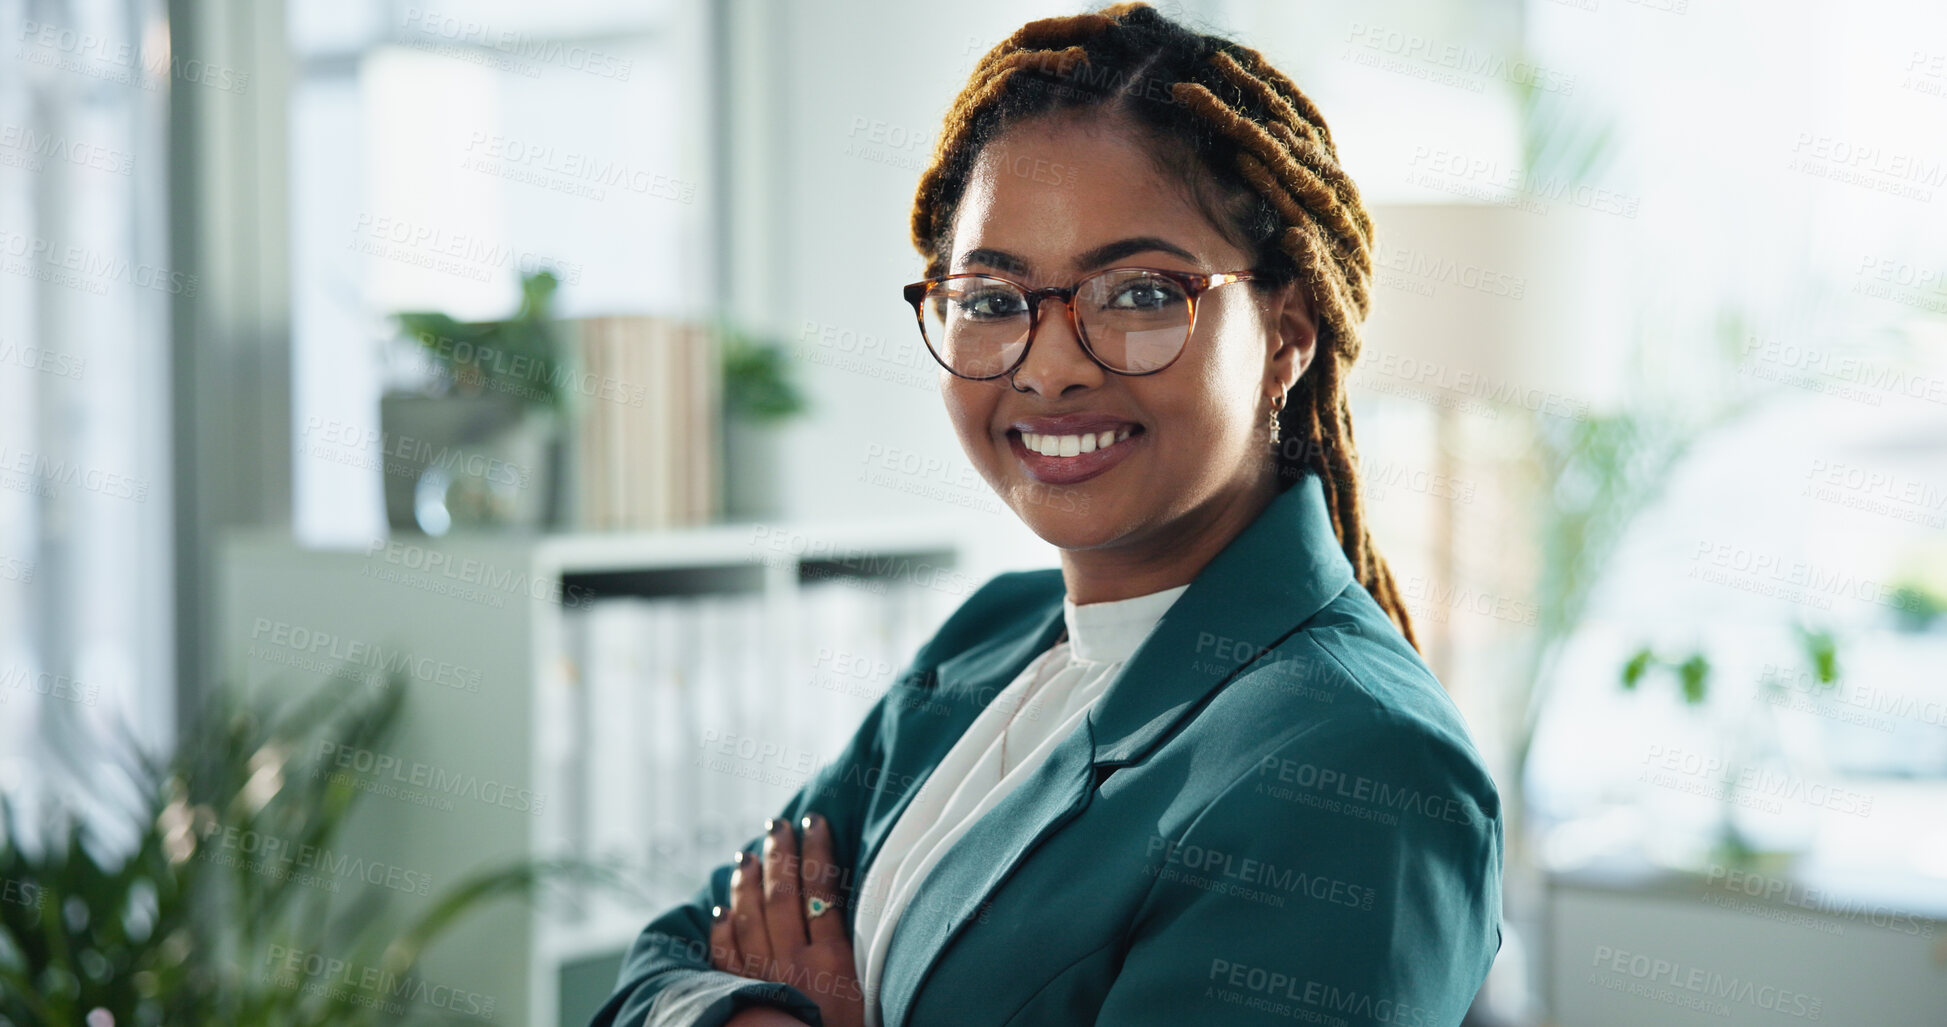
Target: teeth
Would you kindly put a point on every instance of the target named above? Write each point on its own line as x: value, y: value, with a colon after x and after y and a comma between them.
x: 1072, y: 445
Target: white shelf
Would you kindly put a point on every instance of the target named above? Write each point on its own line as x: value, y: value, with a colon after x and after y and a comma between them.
x: 490, y: 609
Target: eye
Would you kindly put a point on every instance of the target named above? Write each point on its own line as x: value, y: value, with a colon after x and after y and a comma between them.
x: 989, y: 302
x: 1148, y: 293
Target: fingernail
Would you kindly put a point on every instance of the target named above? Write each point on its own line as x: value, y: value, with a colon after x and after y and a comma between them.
x: 716, y: 913
x: 739, y: 858
x: 770, y: 825
x: 812, y: 818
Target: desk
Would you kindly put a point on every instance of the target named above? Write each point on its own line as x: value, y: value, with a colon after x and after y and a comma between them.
x: 1630, y: 947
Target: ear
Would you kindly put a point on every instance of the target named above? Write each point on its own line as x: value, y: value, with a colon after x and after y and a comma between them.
x: 1293, y: 338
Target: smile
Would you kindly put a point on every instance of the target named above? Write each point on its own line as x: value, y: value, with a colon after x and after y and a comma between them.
x: 1072, y: 445
x: 1068, y: 459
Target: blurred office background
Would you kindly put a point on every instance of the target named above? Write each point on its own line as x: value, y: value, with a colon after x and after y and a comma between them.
x: 465, y: 369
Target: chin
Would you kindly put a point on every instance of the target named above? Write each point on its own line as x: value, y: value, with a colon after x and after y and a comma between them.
x: 1066, y: 520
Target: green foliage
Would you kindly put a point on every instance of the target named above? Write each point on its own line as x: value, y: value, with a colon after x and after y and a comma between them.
x: 519, y: 356
x: 757, y: 383
x: 1603, y: 470
x: 1817, y: 646
x: 181, y: 929
x: 1692, y: 673
x: 1633, y: 670
x: 1599, y: 474
x: 1821, y: 652
x: 1560, y: 142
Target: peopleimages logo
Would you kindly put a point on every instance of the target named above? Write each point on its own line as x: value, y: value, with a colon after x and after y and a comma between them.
x: 1707, y: 990
x: 328, y: 652
x: 1817, y: 900
x: 1357, y: 796
x: 89, y: 267
x: 45, y: 470
x: 1287, y: 994
x: 438, y: 26
x: 368, y: 985
x: 378, y: 771
x: 279, y: 859
x: 466, y: 577
x: 1250, y: 878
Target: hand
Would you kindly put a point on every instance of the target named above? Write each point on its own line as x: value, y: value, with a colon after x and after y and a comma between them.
x: 766, y: 934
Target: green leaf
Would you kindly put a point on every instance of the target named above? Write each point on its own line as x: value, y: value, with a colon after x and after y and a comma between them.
x: 1694, y: 673
x: 518, y: 356
x: 757, y: 381
x: 1632, y: 671
x: 1821, y: 652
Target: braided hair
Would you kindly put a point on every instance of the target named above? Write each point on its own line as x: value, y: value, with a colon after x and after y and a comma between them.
x: 1256, y: 157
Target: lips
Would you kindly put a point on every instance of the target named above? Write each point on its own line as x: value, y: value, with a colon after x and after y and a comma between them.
x: 1070, y: 470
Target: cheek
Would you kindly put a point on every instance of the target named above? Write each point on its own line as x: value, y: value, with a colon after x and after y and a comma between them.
x: 1238, y: 344
x: 969, y: 406
x: 1217, y: 388
x: 1236, y: 366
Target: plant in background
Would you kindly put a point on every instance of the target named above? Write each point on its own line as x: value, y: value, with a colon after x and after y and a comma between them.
x: 520, y: 356
x: 187, y: 926
x: 1753, y: 740
x: 1693, y: 673
x: 757, y: 385
x: 1597, y: 476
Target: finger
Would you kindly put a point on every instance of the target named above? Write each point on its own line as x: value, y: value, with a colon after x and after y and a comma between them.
x: 747, y: 916
x: 820, y: 876
x: 783, y: 896
x: 723, y: 941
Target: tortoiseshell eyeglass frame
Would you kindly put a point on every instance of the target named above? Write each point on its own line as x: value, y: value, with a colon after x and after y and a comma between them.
x: 1194, y: 286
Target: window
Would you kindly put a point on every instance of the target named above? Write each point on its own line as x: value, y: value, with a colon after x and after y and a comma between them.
x: 436, y: 153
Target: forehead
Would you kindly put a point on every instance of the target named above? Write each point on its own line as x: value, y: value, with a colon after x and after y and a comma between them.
x: 1055, y: 188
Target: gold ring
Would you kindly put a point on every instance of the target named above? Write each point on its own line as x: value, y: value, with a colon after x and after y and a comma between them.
x: 816, y: 907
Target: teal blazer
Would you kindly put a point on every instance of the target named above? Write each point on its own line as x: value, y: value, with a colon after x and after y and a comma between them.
x: 1274, y: 813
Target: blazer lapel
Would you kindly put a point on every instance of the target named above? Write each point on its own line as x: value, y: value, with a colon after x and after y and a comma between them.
x: 1280, y: 571
x: 966, y: 683
x: 1275, y: 575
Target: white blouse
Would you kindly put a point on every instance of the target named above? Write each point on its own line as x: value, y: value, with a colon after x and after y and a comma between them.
x: 1043, y: 705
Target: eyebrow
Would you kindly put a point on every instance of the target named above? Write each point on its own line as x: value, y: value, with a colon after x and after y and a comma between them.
x: 1101, y: 256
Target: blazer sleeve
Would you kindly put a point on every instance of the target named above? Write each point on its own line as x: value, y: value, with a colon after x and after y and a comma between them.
x: 666, y: 977
x: 1352, y: 875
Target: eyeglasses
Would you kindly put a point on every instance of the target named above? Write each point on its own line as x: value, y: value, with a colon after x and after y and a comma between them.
x: 1131, y: 320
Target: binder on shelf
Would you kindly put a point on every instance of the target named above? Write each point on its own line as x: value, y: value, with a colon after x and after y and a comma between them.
x: 756, y: 728
x: 670, y: 735
x: 657, y: 422
x: 615, y: 787
x: 713, y: 704
x: 646, y: 426
x: 561, y: 722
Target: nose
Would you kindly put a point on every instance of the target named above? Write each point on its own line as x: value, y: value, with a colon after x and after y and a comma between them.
x: 1056, y: 361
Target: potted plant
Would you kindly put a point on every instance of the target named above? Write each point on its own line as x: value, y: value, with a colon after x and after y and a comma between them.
x: 758, y: 397
x: 482, y: 446
x: 191, y: 923
x: 1754, y: 746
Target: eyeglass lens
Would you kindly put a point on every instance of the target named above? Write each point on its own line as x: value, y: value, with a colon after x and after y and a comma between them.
x: 1135, y: 321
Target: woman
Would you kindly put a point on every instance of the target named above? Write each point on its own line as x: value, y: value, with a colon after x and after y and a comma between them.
x: 1199, y: 774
